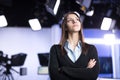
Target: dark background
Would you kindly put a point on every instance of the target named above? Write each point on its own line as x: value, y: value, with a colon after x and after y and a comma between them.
x: 18, y: 12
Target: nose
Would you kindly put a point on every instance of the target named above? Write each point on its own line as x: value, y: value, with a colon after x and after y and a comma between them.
x: 74, y: 20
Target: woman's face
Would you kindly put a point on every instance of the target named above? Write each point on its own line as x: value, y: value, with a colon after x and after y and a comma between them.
x: 73, y: 23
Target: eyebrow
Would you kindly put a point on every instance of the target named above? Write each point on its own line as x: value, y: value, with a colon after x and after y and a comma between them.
x: 72, y: 18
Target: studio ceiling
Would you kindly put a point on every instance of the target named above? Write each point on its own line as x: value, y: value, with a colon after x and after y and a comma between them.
x: 18, y: 12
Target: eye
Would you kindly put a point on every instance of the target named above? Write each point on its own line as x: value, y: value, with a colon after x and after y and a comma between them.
x: 78, y: 19
x: 72, y: 20
x: 69, y: 20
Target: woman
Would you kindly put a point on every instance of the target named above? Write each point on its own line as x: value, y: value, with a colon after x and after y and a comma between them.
x: 72, y: 58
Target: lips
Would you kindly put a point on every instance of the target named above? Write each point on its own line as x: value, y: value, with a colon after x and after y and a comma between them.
x: 75, y: 25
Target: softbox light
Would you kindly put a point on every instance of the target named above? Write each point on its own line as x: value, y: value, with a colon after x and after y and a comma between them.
x: 43, y: 59
x: 18, y: 59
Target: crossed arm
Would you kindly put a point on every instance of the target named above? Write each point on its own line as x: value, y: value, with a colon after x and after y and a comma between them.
x: 59, y: 73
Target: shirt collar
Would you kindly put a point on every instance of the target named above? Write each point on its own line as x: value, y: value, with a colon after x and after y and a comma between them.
x: 79, y: 44
x: 67, y: 45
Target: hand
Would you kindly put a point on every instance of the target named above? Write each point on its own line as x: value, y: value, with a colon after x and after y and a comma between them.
x: 91, y: 63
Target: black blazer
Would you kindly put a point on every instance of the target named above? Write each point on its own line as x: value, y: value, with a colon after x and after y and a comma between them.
x: 62, y: 68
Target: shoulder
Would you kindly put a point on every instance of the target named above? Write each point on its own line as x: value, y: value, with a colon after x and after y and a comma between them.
x: 55, y: 49
x: 92, y: 51
x: 92, y: 48
x: 55, y: 46
x: 90, y: 45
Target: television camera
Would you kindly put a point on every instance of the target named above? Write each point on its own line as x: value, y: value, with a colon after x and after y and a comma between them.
x: 6, y: 64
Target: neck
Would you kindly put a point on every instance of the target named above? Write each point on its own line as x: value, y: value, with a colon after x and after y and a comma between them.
x: 73, y: 39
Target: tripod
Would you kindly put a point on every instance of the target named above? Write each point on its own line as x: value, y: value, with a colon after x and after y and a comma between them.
x: 7, y: 75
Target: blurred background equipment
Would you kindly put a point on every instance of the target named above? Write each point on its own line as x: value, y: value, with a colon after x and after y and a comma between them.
x: 7, y: 63
x: 43, y: 61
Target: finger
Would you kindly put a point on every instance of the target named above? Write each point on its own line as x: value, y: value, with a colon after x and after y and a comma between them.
x: 93, y: 59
